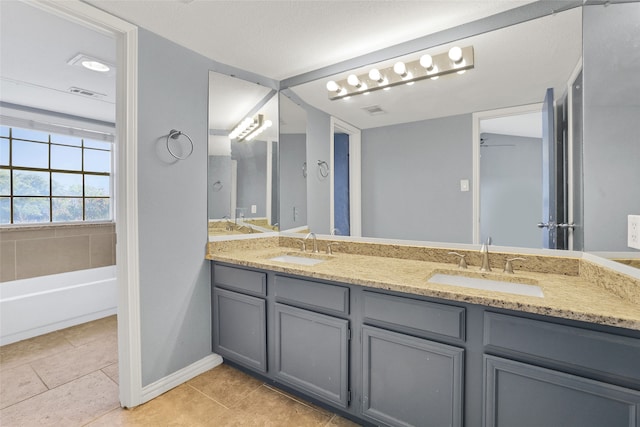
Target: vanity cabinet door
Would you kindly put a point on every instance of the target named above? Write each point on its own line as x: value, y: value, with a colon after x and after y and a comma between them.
x: 240, y: 328
x: 519, y: 394
x: 312, y: 353
x: 409, y: 381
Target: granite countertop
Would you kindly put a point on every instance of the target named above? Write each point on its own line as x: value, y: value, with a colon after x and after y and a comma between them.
x: 583, y: 294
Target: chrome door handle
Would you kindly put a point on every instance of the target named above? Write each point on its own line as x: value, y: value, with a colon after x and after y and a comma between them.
x: 552, y: 225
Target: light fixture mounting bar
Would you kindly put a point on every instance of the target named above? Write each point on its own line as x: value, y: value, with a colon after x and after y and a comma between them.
x: 442, y: 64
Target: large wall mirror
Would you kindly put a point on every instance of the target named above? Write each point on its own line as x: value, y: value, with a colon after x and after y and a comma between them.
x: 439, y: 155
x: 242, y: 186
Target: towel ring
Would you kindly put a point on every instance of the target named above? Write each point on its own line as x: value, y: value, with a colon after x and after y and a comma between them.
x: 175, y: 134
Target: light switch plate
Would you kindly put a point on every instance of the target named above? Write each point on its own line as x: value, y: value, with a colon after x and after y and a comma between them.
x: 254, y: 209
x: 633, y: 234
x: 464, y: 185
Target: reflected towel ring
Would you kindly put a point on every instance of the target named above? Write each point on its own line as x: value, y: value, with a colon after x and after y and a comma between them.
x: 217, y: 186
x: 175, y: 134
x: 323, y: 168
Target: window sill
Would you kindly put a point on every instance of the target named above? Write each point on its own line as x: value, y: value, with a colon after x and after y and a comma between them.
x: 56, y: 225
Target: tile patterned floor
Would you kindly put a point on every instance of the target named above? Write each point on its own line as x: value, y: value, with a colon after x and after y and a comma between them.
x: 69, y: 378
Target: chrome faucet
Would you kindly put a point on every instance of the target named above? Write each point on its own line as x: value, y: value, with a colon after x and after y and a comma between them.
x: 484, y: 250
x: 315, y: 243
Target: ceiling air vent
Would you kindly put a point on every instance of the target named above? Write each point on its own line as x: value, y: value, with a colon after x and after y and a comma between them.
x: 86, y: 92
x: 374, y: 110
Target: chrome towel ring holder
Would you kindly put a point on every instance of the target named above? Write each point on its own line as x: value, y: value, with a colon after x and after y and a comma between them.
x: 175, y: 134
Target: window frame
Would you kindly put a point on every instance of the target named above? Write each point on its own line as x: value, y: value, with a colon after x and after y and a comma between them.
x: 50, y: 143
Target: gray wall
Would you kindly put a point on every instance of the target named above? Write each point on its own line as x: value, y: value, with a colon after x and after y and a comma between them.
x: 293, y: 185
x: 175, y: 299
x: 318, y: 189
x: 511, y: 190
x: 219, y: 199
x: 611, y: 150
x: 252, y: 176
x: 411, y: 180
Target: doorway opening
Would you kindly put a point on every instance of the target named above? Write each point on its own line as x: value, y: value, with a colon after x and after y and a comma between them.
x: 345, y: 179
x: 507, y: 170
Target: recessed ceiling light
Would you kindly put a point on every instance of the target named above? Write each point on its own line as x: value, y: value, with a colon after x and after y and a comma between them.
x: 95, y: 66
x: 92, y: 63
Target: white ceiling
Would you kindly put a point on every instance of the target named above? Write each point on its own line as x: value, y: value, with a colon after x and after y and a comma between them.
x: 281, y: 39
x: 276, y: 39
x: 34, y: 49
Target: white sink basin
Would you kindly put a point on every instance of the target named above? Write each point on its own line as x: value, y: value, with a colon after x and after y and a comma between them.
x: 300, y: 260
x: 487, y: 284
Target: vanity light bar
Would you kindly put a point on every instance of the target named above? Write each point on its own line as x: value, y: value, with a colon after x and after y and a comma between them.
x: 456, y: 60
x: 246, y: 127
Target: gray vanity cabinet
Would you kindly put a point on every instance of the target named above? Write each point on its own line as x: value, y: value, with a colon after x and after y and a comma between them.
x: 409, y: 381
x: 519, y: 394
x: 312, y: 338
x: 312, y: 353
x: 563, y: 376
x: 240, y: 320
x: 417, y: 361
x: 409, y: 378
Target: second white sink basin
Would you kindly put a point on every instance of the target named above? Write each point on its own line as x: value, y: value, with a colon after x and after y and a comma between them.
x: 300, y: 260
x: 487, y: 284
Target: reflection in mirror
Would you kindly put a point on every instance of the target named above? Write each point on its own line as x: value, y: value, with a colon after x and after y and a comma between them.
x: 420, y: 145
x: 611, y: 151
x: 242, y: 166
x: 293, y: 166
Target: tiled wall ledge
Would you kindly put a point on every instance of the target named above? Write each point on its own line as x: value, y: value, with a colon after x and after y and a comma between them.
x: 39, y: 250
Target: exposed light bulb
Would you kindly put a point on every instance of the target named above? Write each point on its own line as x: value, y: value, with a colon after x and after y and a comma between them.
x: 400, y: 69
x: 375, y: 75
x: 455, y: 54
x: 268, y: 123
x: 427, y: 62
x: 353, y: 80
x: 332, y: 86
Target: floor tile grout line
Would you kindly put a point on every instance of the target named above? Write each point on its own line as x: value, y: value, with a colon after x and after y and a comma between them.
x: 295, y: 399
x: 114, y: 381
x: 51, y: 389
x: 102, y: 415
x: 208, y: 397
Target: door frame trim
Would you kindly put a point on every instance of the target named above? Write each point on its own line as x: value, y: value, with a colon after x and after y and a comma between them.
x: 126, y: 196
x: 475, y: 150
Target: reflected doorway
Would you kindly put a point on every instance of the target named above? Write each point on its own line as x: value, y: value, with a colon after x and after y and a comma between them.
x: 341, y: 185
x: 347, y: 202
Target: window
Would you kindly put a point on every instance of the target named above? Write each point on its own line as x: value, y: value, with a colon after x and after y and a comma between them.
x: 47, y: 178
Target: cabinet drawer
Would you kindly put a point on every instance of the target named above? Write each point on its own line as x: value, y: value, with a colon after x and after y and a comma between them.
x: 414, y: 316
x: 562, y: 345
x: 313, y: 295
x: 247, y: 281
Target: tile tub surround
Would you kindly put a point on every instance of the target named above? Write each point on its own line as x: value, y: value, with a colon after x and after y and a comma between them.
x: 32, y: 251
x: 573, y: 290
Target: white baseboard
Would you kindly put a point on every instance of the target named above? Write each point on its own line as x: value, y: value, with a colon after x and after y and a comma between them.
x: 180, y: 377
x: 36, y: 306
